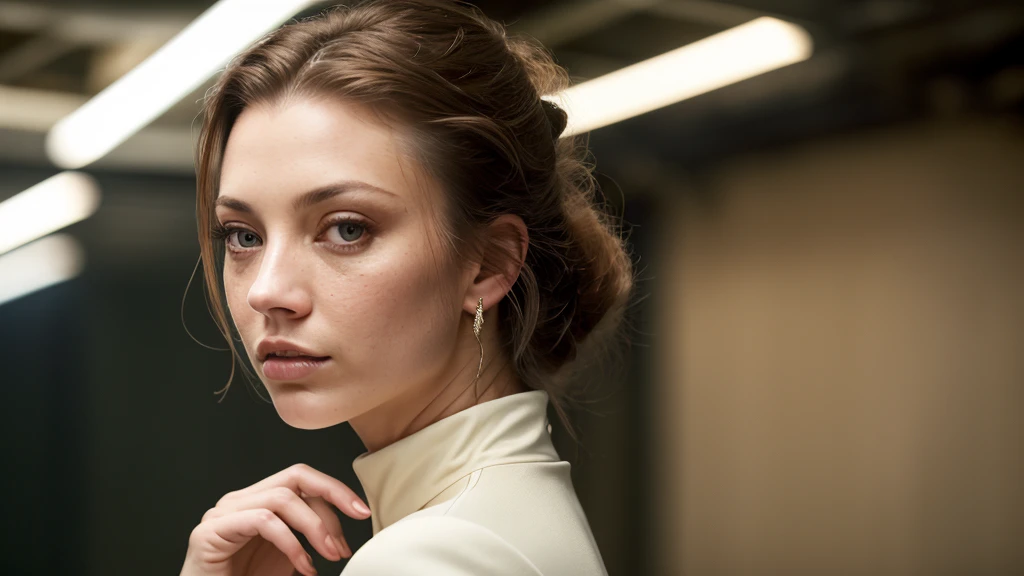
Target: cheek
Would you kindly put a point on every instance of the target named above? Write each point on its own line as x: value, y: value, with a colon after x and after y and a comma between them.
x: 236, y: 290
x: 395, y: 314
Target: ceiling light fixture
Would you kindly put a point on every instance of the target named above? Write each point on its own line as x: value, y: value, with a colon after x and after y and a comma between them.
x: 747, y: 50
x: 42, y: 263
x: 58, y: 201
x: 177, y: 68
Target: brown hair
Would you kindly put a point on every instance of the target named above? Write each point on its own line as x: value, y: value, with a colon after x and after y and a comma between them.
x: 468, y: 97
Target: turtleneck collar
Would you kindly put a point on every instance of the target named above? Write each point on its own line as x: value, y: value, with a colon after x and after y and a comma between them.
x: 402, y: 477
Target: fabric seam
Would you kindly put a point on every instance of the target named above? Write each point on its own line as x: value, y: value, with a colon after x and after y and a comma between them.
x: 473, y: 478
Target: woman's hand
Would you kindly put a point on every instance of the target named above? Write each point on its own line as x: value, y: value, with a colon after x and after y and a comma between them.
x: 248, y: 532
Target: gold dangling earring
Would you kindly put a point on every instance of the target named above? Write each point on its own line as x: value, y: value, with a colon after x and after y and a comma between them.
x: 478, y: 324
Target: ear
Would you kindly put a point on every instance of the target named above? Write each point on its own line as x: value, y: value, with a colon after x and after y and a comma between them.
x: 502, y: 259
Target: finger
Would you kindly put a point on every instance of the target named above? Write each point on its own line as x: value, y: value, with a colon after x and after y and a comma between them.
x: 293, y: 510
x: 330, y: 518
x: 304, y: 478
x: 220, y: 538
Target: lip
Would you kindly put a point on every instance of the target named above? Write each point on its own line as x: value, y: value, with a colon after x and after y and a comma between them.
x: 269, y: 345
x: 292, y: 369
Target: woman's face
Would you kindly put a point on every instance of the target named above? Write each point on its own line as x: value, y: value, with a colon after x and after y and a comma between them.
x: 327, y: 248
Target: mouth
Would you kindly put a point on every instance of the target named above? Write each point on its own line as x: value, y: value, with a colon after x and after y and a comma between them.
x: 292, y: 356
x: 293, y: 367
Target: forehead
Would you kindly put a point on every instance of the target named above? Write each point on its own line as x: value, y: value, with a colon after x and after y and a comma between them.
x: 301, y: 144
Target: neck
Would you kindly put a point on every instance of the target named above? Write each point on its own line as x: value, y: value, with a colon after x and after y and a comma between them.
x: 422, y: 406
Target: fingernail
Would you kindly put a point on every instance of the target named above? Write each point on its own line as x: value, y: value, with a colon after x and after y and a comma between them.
x: 309, y: 562
x: 360, y: 507
x: 332, y: 545
x: 342, y: 545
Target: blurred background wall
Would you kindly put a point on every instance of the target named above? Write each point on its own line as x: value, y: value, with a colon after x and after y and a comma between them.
x: 828, y: 335
x: 847, y: 379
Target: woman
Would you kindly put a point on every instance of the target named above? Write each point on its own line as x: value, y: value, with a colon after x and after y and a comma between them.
x: 406, y: 246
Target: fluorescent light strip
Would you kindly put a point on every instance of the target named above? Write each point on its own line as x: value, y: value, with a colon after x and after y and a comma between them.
x: 42, y: 263
x: 736, y: 54
x: 50, y: 205
x: 172, y: 72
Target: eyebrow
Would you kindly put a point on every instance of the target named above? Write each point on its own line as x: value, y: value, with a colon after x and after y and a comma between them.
x: 310, y: 198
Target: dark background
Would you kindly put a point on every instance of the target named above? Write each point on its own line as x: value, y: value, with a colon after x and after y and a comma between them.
x: 900, y: 132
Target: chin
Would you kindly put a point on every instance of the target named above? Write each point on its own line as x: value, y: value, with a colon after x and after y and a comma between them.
x: 303, y: 408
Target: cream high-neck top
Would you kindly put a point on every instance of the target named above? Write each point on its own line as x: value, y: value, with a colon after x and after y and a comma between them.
x: 479, y: 492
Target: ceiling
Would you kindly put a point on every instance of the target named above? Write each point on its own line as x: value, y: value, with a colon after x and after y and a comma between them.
x: 875, y: 61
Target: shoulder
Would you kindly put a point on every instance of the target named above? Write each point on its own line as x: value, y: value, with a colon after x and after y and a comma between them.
x: 438, y: 545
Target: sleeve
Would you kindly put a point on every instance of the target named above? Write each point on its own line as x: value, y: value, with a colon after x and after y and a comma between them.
x: 438, y: 546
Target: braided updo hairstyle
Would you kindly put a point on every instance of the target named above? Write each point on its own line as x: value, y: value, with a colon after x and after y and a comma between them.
x: 468, y: 97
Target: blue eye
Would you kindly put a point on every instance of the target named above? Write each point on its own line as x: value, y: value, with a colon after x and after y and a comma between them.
x: 350, y: 231
x: 230, y: 234
x: 246, y: 236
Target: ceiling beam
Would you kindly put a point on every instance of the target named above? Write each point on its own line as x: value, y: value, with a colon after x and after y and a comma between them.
x: 719, y: 14
x: 560, y: 23
x: 93, y: 25
x: 34, y: 53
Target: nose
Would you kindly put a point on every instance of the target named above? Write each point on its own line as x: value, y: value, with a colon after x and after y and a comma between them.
x: 280, y: 288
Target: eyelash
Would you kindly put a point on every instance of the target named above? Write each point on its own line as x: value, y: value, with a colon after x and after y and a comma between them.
x: 221, y: 233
